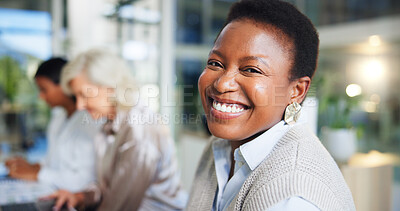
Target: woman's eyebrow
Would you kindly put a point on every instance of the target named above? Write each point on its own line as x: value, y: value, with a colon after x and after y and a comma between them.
x: 216, y: 52
x: 260, y: 59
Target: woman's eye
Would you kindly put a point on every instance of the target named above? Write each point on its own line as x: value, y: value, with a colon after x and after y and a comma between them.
x: 251, y: 70
x: 214, y: 64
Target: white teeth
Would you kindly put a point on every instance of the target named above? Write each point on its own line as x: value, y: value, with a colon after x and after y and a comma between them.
x: 229, y: 108
x: 223, y: 108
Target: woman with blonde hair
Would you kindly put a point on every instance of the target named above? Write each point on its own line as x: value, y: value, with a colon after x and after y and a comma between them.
x: 136, y: 165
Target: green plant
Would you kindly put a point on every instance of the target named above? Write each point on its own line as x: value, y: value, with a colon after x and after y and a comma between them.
x: 18, y: 90
x: 338, y: 109
x: 335, y: 107
x: 10, y: 76
x: 19, y: 101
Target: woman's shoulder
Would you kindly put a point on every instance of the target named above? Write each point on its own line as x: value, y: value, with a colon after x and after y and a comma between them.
x: 308, y: 148
x: 300, y: 165
x: 301, y: 150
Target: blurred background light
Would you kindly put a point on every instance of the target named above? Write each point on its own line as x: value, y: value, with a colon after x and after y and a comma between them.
x: 374, y: 40
x: 374, y: 158
x: 373, y: 70
x: 370, y: 106
x: 135, y: 50
x: 375, y: 98
x: 353, y: 90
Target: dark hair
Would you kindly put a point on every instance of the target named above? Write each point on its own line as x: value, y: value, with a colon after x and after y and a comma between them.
x: 290, y: 21
x: 51, y: 69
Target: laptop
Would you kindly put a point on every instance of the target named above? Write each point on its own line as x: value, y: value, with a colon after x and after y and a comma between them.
x: 40, y: 205
x: 18, y: 195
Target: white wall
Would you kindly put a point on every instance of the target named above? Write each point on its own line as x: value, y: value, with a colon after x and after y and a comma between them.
x: 88, y: 28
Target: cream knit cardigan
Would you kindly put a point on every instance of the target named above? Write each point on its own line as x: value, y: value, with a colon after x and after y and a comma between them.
x: 297, y: 166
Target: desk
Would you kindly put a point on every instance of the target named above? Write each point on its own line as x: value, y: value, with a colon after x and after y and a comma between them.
x: 371, y: 187
x: 370, y: 179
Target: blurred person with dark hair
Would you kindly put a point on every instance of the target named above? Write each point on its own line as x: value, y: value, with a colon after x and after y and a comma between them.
x: 69, y: 162
x: 136, y: 163
x: 262, y: 155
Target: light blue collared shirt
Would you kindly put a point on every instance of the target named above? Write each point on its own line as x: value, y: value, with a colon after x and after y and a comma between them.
x: 247, y: 157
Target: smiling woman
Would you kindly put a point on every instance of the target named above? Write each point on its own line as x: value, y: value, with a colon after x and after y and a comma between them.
x: 262, y: 155
x: 252, y: 79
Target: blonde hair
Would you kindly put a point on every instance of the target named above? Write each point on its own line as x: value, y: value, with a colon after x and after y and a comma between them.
x: 105, y: 69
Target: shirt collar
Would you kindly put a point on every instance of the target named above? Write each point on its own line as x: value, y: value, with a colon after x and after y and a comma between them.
x: 111, y: 127
x: 255, y: 151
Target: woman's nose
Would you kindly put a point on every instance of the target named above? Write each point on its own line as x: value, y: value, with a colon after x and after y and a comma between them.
x: 226, y: 82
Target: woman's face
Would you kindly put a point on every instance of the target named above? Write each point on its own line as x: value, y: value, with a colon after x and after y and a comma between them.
x: 50, y: 92
x: 245, y: 86
x: 97, y: 100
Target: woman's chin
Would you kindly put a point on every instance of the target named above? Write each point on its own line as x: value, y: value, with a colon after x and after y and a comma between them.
x: 225, y: 133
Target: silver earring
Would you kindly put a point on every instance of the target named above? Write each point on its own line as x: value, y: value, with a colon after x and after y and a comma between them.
x: 292, y: 113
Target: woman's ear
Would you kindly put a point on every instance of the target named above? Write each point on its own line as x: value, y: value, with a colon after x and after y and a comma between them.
x: 300, y: 89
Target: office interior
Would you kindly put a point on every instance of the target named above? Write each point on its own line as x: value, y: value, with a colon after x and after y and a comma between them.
x: 355, y: 91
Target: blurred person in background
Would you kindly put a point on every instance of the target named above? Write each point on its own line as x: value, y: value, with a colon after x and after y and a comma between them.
x: 69, y: 162
x: 262, y: 155
x: 136, y: 164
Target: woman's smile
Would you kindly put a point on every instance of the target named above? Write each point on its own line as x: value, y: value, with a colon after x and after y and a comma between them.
x: 226, y: 108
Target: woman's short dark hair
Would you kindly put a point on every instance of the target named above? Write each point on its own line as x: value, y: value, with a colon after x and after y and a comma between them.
x: 290, y: 21
x: 51, y: 69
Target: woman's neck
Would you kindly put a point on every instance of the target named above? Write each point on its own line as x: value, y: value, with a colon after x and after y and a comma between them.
x: 112, y: 114
x: 237, y: 144
x: 69, y: 106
